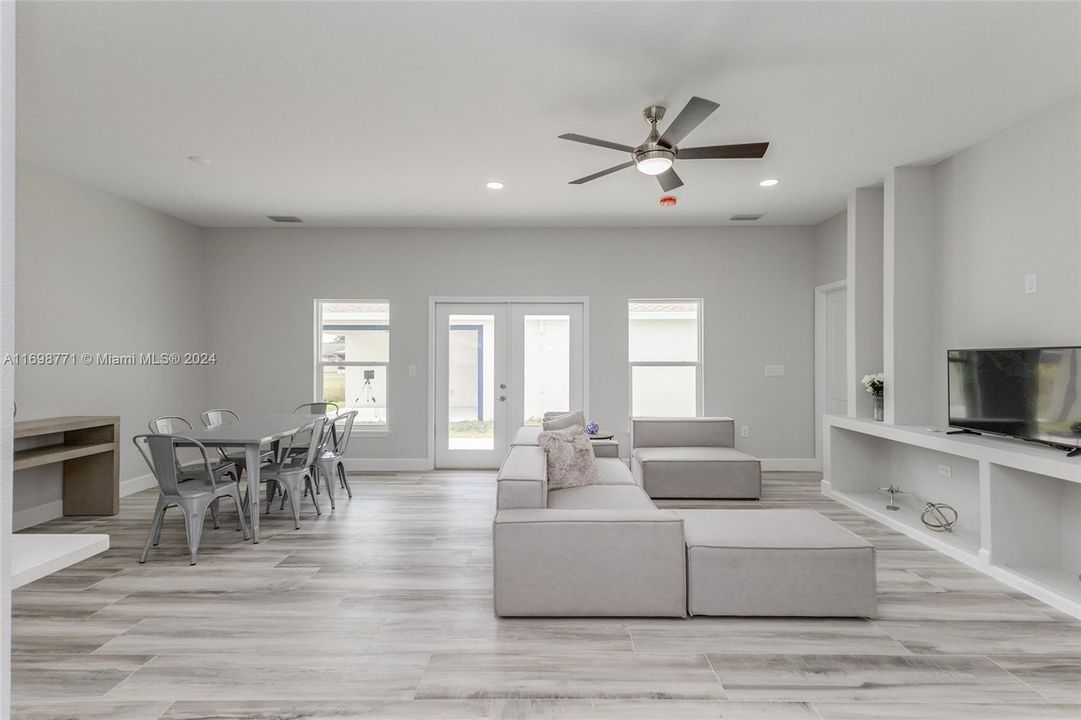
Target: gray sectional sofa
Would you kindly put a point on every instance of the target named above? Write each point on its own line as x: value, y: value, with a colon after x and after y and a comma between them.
x: 692, y: 458
x: 605, y: 550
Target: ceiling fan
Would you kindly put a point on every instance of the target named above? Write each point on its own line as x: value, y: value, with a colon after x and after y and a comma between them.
x: 657, y: 154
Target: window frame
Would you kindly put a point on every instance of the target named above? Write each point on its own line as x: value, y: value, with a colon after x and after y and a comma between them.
x: 698, y: 365
x: 320, y: 364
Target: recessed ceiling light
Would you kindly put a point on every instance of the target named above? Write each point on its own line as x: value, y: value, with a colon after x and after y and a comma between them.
x: 494, y: 185
x: 198, y: 159
x: 769, y: 182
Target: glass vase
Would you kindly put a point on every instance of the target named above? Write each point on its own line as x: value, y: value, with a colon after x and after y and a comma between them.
x: 880, y: 411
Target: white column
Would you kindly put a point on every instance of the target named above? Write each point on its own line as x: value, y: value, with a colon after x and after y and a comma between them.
x: 7, y: 334
x: 907, y: 299
x: 864, y: 295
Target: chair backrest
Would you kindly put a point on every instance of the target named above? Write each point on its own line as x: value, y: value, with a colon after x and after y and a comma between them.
x: 310, y: 435
x: 218, y: 417
x: 161, y: 454
x: 315, y: 408
x: 168, y: 425
x: 343, y: 428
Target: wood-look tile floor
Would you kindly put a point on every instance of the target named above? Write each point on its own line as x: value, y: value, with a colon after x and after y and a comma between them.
x: 382, y: 609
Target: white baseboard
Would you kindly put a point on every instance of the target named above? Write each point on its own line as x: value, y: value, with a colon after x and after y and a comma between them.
x: 137, y: 484
x: 387, y: 464
x: 54, y: 509
x: 22, y: 519
x: 789, y: 464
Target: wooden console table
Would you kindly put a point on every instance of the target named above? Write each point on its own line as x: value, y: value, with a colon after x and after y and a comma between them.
x: 88, y: 446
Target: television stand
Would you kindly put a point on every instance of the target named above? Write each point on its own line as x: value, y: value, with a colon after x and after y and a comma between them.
x: 963, y: 431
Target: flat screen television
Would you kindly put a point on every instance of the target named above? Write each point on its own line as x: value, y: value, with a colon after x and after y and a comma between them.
x: 1027, y: 393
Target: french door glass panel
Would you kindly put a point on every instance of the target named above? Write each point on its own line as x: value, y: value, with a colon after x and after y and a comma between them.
x: 471, y: 382
x: 547, y: 362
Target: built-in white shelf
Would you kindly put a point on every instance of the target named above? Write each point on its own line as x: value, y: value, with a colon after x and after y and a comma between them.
x: 1019, y: 504
x: 959, y: 543
x: 34, y: 556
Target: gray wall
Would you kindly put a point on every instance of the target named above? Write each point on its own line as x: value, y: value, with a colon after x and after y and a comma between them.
x: 830, y: 239
x: 757, y: 285
x: 98, y: 273
x: 1007, y: 207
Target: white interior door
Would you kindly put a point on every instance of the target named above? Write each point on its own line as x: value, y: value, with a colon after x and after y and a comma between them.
x: 831, y: 356
x: 471, y: 385
x: 500, y: 366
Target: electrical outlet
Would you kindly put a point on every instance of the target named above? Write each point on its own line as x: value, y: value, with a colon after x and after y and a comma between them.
x: 774, y: 370
x: 1030, y: 284
x: 945, y: 470
x: 744, y: 431
x: 412, y: 371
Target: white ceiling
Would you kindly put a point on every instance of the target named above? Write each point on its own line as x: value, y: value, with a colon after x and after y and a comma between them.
x: 395, y: 114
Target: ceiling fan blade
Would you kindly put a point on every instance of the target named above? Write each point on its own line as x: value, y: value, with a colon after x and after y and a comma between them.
x: 602, y: 173
x: 594, y: 141
x: 691, y: 116
x: 669, y: 180
x: 715, y: 152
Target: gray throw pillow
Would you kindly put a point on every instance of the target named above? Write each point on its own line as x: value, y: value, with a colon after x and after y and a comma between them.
x: 567, y: 420
x: 570, y: 458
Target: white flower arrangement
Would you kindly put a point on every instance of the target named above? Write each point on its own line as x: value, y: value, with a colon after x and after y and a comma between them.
x: 874, y: 383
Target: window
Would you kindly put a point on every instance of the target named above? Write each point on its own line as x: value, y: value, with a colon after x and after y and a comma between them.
x: 665, y: 350
x: 353, y: 355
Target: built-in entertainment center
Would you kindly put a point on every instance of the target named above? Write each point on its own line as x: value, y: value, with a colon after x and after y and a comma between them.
x: 1018, y: 503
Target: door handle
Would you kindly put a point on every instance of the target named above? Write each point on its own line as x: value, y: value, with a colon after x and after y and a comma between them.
x: 502, y: 398
x: 502, y: 386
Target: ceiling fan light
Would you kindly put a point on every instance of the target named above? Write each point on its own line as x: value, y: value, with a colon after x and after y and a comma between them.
x: 655, y: 165
x: 654, y: 161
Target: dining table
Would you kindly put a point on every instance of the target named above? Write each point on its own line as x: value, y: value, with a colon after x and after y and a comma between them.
x: 252, y: 433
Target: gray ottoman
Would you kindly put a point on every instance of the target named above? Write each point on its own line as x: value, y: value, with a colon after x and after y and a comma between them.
x: 793, y: 563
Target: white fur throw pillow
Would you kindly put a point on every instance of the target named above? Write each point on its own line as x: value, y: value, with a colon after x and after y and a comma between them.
x: 570, y: 458
x: 559, y: 422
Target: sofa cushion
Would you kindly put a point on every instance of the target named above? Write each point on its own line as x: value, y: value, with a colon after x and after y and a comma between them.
x: 613, y: 471
x: 566, y: 420
x: 600, y: 497
x: 697, y: 472
x: 570, y: 457
x: 522, y: 480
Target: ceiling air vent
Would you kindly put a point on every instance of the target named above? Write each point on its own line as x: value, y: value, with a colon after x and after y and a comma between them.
x: 285, y: 218
x: 746, y: 218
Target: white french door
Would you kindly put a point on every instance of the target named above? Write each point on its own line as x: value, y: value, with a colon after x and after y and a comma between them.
x: 500, y: 366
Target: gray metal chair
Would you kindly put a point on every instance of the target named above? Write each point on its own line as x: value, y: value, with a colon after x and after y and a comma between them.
x: 192, y: 493
x: 315, y: 409
x: 330, y: 461
x: 189, y: 460
x: 222, y: 416
x: 294, y: 472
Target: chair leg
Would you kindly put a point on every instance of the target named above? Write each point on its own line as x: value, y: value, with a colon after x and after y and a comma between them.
x: 214, y: 514
x: 321, y: 470
x: 193, y: 524
x: 155, y: 528
x: 340, y: 466
x: 241, y: 522
x: 161, y: 522
x: 271, y: 485
x: 315, y: 500
x: 294, y: 504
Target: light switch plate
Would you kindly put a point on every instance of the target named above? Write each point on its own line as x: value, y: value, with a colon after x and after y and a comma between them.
x: 945, y: 470
x: 1030, y: 284
x: 744, y: 431
x: 774, y: 370
x: 412, y: 371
